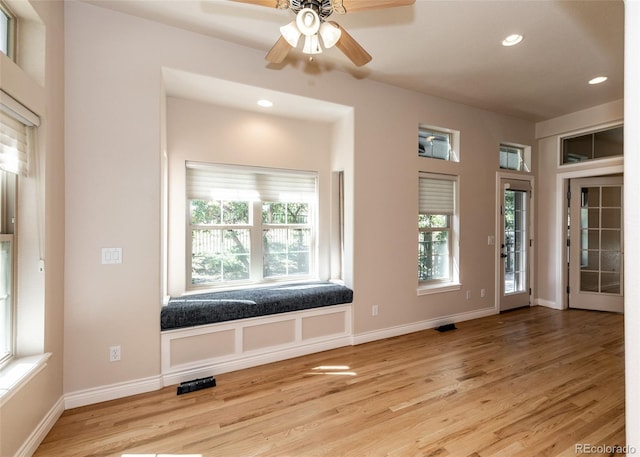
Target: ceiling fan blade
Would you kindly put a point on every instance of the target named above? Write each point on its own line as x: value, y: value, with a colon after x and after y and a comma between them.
x: 350, y: 48
x: 353, y: 6
x: 279, y: 51
x: 267, y: 3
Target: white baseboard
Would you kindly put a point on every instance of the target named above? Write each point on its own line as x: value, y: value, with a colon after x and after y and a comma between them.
x: 111, y: 392
x: 30, y: 446
x: 548, y: 304
x: 422, y: 325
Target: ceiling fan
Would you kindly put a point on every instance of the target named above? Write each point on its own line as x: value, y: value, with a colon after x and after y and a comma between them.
x: 311, y: 22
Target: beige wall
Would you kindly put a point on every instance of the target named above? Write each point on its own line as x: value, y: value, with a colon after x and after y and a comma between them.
x: 552, y: 182
x: 114, y: 133
x: 40, y: 297
x: 203, y: 132
x: 113, y: 196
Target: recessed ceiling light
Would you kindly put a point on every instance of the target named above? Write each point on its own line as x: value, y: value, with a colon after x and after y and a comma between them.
x: 265, y: 103
x: 512, y: 40
x: 598, y: 80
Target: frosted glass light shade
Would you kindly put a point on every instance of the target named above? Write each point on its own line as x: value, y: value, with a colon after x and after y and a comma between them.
x: 291, y: 33
x: 330, y: 34
x: 312, y: 45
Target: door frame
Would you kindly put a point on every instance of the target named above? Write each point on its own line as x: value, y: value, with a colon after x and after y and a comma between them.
x: 498, y: 230
x: 562, y: 185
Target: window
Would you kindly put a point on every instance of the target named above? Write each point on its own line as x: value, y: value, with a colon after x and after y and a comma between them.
x: 7, y: 21
x: 513, y: 158
x: 436, y: 144
x: 592, y: 146
x: 248, y: 224
x: 436, y: 228
x: 12, y: 145
x: 7, y: 224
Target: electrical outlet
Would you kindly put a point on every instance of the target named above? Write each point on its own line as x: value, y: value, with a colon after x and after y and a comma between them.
x: 483, y: 293
x: 468, y: 295
x: 114, y: 354
x: 374, y: 310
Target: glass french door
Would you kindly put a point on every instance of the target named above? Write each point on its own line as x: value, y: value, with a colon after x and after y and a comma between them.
x: 514, y: 244
x: 596, y: 254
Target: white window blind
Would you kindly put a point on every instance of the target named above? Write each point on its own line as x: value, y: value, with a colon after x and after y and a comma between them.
x: 14, y: 121
x: 436, y: 195
x: 228, y: 182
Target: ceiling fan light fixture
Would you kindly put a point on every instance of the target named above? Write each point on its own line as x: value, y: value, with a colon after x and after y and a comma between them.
x: 330, y: 34
x: 291, y: 33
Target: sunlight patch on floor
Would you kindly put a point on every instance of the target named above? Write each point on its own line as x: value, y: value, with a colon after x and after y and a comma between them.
x: 334, y: 370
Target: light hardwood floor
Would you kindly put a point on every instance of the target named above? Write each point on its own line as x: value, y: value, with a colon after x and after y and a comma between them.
x: 531, y: 382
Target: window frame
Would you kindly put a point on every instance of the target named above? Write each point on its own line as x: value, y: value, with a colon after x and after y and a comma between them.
x: 454, y: 140
x: 523, y: 154
x: 256, y: 227
x: 589, y: 133
x: 222, y: 227
x: 8, y: 202
x: 445, y: 229
x: 452, y: 228
x: 266, y: 226
x: 11, y: 31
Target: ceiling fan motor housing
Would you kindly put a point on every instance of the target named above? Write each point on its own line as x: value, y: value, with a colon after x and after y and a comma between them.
x: 323, y: 8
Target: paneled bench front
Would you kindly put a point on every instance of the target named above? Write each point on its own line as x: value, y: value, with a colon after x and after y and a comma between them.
x: 213, y: 333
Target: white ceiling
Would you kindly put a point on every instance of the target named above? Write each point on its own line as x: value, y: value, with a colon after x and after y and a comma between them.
x: 448, y: 48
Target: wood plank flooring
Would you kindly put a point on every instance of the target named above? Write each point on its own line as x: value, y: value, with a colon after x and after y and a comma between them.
x: 530, y: 382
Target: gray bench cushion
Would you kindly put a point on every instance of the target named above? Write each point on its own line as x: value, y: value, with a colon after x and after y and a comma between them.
x: 209, y: 308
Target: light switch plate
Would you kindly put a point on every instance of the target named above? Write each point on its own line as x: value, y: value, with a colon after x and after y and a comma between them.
x: 111, y: 256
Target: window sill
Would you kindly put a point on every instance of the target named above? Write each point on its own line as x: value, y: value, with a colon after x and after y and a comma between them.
x: 439, y: 288
x: 18, y: 373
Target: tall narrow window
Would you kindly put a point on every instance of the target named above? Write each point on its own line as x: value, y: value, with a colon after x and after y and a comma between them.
x: 435, y: 227
x: 7, y: 224
x: 8, y: 186
x: 248, y: 224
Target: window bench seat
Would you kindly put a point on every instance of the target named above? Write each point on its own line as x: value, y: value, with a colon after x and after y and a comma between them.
x: 212, y: 333
x: 208, y: 308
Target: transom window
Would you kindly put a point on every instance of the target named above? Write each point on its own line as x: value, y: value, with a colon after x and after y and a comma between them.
x: 433, y: 143
x: 7, y: 21
x: 435, y: 228
x: 249, y: 224
x: 513, y: 158
x: 593, y: 146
